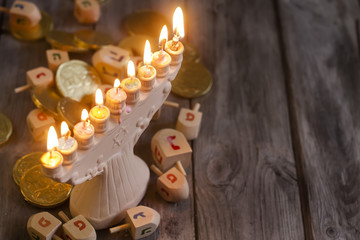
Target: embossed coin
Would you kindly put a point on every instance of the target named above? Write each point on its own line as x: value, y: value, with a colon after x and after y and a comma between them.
x: 70, y: 110
x: 136, y: 44
x: 64, y: 41
x: 46, y: 99
x: 193, y: 80
x: 146, y: 22
x: 6, y: 128
x: 191, y: 53
x: 87, y: 38
x: 42, y: 191
x: 39, y: 31
x: 24, y: 164
x: 77, y: 79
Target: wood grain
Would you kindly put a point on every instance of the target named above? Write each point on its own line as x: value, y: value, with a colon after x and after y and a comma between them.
x: 321, y: 52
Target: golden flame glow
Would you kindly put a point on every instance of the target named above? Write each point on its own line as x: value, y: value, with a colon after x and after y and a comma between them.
x: 52, y: 140
x: 117, y: 83
x: 84, y: 115
x: 131, y: 69
x: 64, y: 129
x: 99, y: 100
x: 163, y: 35
x: 147, y: 53
x: 178, y: 23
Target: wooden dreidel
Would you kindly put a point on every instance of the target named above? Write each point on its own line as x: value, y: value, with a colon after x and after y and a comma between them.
x: 142, y: 222
x: 56, y: 57
x: 24, y: 15
x: 77, y: 228
x: 189, y: 122
x: 169, y: 146
x: 40, y: 76
x: 111, y: 62
x: 87, y: 11
x: 42, y: 226
x: 39, y: 123
x: 172, y: 185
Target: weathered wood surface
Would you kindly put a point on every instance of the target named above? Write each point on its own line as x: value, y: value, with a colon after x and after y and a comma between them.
x: 322, y: 66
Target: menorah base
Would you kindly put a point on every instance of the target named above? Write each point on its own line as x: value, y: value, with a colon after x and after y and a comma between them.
x: 103, y: 201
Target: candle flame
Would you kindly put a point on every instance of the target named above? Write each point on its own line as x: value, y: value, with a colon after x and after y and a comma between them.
x: 163, y: 36
x: 131, y: 69
x: 178, y: 23
x: 99, y: 100
x: 147, y: 53
x: 52, y: 140
x: 64, y: 129
x: 84, y: 115
x: 117, y: 83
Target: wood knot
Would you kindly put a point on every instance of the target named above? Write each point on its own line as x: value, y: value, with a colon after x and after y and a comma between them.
x: 332, y: 232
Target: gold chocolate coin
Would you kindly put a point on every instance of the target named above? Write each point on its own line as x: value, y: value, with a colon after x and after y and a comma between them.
x: 146, y: 22
x: 193, y: 80
x: 6, y: 128
x: 191, y: 53
x: 42, y: 191
x: 136, y: 44
x: 39, y: 31
x: 88, y: 38
x: 64, y: 41
x: 76, y: 79
x: 24, y: 164
x: 46, y: 98
x: 70, y: 110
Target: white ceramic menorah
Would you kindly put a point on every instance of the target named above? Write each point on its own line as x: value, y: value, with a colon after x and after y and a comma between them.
x: 109, y: 178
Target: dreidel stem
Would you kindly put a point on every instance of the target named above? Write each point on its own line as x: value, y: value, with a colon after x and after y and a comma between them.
x: 3, y: 9
x: 119, y: 228
x: 21, y: 88
x: 180, y: 167
x: 63, y: 216
x: 196, y: 107
x: 156, y: 170
x: 171, y: 104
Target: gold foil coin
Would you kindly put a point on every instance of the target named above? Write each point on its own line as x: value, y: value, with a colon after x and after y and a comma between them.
x: 70, y: 110
x: 64, y: 41
x: 136, y: 44
x: 46, y: 98
x: 193, y: 80
x: 146, y: 22
x: 24, y: 164
x: 92, y: 39
x: 42, y: 191
x: 39, y: 31
x: 6, y: 128
x: 76, y: 79
x: 191, y: 53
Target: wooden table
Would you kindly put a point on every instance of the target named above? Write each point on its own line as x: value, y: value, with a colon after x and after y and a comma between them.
x: 278, y: 152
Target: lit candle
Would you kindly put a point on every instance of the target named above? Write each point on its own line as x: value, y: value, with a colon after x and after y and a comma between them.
x: 131, y: 85
x: 174, y: 47
x: 67, y: 145
x: 115, y: 99
x: 161, y: 59
x: 99, y: 115
x: 84, y: 131
x: 52, y: 160
x: 147, y: 72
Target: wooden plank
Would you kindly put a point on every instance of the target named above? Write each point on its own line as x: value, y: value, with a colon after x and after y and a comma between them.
x: 244, y: 172
x: 322, y: 66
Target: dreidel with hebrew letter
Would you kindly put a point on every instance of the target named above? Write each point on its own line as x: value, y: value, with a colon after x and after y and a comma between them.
x: 38, y: 123
x: 42, y: 226
x: 56, y: 57
x: 141, y: 221
x: 189, y: 122
x: 172, y: 185
x: 111, y: 63
x: 77, y: 228
x: 87, y: 11
x: 24, y: 15
x: 40, y: 76
x: 169, y: 146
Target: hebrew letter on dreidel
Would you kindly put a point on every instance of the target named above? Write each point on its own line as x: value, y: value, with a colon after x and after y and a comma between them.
x: 189, y: 122
x: 77, y: 228
x: 42, y: 225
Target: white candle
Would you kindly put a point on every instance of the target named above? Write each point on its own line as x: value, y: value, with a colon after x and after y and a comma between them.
x: 52, y: 160
x: 67, y: 145
x: 161, y: 60
x: 99, y: 115
x: 147, y: 72
x: 84, y: 131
